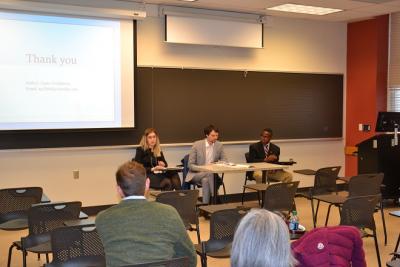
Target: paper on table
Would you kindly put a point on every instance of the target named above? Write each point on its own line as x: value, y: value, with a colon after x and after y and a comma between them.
x: 233, y: 165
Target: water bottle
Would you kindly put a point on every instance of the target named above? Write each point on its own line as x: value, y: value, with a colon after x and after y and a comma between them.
x: 293, y: 221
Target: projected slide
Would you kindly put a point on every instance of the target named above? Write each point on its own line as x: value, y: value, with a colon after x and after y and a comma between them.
x: 58, y: 72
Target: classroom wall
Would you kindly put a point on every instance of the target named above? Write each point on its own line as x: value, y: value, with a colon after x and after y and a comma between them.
x: 290, y: 45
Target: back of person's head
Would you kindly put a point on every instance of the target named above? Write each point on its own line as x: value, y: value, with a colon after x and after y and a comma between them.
x: 131, y: 178
x: 262, y: 240
x: 209, y: 129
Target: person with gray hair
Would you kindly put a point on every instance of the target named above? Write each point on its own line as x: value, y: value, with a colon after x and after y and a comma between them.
x: 262, y: 240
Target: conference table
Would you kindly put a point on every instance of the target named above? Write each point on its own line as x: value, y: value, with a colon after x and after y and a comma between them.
x: 223, y: 167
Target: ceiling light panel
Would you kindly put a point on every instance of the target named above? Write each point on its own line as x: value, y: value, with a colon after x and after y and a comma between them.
x: 312, y: 10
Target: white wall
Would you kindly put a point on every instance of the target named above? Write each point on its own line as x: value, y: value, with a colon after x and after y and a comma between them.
x: 290, y: 45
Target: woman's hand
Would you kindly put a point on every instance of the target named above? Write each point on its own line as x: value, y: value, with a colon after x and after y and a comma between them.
x: 161, y: 163
x: 158, y: 168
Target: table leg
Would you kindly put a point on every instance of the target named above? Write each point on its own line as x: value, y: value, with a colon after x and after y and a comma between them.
x: 264, y: 181
x: 214, y: 198
x: 397, y: 244
x: 264, y: 177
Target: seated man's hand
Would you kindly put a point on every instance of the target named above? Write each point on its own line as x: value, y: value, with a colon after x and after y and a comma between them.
x: 271, y: 158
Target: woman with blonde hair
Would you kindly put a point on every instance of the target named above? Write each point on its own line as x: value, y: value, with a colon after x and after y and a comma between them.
x: 150, y: 155
x: 262, y: 240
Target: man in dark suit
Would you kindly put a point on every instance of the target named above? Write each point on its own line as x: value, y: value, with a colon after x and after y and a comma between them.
x: 265, y: 151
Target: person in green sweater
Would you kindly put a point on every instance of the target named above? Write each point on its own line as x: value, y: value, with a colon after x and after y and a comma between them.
x: 139, y: 231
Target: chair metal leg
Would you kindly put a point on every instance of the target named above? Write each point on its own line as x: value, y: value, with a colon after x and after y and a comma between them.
x: 259, y: 198
x: 203, y: 255
x: 198, y: 233
x: 383, y: 221
x: 244, y: 190
x: 397, y: 244
x: 47, y: 258
x: 327, y: 214
x: 377, y: 249
x: 316, y: 212
x: 24, y: 258
x: 9, y: 255
x: 312, y: 211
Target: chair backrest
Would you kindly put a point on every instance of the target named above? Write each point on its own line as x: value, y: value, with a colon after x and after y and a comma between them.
x: 247, y: 156
x: 177, y: 262
x: 44, y: 218
x: 15, y: 202
x: 250, y: 174
x: 359, y: 211
x: 365, y: 184
x: 185, y: 163
x: 184, y: 201
x: 280, y: 196
x: 222, y: 228
x: 72, y: 242
x: 325, y: 180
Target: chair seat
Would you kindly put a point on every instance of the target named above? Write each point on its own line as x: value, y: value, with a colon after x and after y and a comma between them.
x: 394, y: 263
x: 257, y: 187
x: 222, y: 253
x: 331, y: 198
x: 40, y: 249
x: 14, y: 225
x: 83, y: 261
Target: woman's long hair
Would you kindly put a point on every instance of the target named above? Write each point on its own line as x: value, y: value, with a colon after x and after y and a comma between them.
x: 143, y: 142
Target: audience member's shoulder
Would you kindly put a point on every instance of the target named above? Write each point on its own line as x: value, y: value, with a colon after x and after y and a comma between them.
x: 107, y: 212
x: 162, y: 208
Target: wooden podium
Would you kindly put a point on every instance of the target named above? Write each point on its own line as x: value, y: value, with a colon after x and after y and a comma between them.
x: 378, y: 155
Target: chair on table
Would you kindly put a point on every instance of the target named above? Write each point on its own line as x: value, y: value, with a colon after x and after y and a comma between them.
x: 77, y: 246
x: 222, y: 229
x: 324, y: 183
x: 359, y: 212
x: 184, y: 201
x: 177, y: 262
x: 187, y: 185
x: 14, y: 206
x: 280, y: 197
x: 360, y: 185
x: 42, y: 220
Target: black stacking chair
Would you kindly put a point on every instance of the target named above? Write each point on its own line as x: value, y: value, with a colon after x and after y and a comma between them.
x: 76, y: 246
x: 222, y: 229
x: 42, y: 220
x: 280, y: 197
x: 184, y: 201
x: 177, y: 262
x: 359, y: 212
x: 324, y: 183
x: 360, y: 185
x: 14, y: 206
